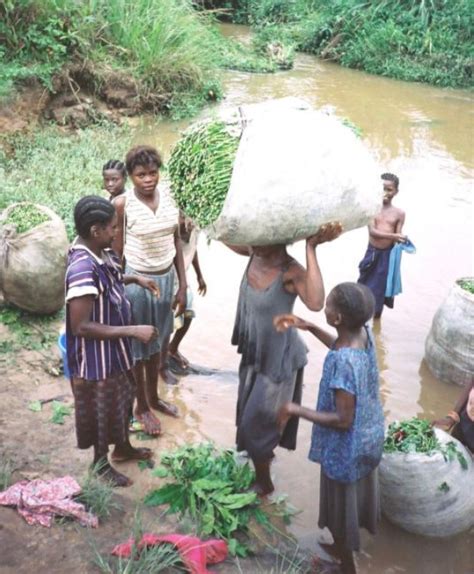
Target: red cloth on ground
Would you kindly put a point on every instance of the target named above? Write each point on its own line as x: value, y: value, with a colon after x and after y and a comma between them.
x: 195, y: 553
x: 39, y: 501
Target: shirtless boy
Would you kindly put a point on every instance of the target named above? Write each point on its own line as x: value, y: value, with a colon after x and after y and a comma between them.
x: 385, y: 231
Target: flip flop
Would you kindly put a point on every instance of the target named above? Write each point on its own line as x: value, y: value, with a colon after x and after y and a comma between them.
x: 135, y: 426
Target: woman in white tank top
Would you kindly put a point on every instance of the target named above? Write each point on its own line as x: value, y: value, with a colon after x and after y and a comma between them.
x: 148, y: 239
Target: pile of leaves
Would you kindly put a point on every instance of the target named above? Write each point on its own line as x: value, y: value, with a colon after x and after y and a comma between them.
x: 200, y: 169
x: 24, y: 217
x: 211, y: 488
x: 417, y: 436
x: 467, y: 285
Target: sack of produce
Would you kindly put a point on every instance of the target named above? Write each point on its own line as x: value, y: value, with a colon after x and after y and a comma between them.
x: 449, y: 347
x: 425, y: 477
x: 33, y: 251
x: 273, y: 173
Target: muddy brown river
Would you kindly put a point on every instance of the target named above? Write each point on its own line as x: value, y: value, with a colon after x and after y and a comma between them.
x: 425, y: 135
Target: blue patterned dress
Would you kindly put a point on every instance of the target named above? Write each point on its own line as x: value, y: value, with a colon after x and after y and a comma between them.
x: 349, y: 486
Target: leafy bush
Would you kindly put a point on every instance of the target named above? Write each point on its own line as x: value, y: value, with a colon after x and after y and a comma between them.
x: 165, y: 46
x: 210, y: 487
x: 416, y: 40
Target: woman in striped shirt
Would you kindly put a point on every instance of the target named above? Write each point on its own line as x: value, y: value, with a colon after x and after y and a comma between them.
x: 148, y: 239
x: 98, y: 333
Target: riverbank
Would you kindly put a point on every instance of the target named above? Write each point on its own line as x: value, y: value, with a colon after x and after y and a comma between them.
x: 413, y: 40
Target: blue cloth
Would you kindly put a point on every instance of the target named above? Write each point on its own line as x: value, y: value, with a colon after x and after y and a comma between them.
x: 394, y: 276
x: 347, y: 456
x: 373, y: 271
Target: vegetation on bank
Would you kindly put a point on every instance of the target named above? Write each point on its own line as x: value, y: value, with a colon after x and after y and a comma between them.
x: 417, y: 40
x: 165, y: 51
x: 54, y: 169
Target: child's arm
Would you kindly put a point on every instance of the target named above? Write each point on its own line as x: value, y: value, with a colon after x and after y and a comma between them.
x: 341, y: 419
x: 118, y: 243
x: 144, y: 282
x: 284, y: 322
x: 308, y: 283
x: 375, y: 233
x: 179, y: 303
x: 400, y: 223
x: 202, y: 289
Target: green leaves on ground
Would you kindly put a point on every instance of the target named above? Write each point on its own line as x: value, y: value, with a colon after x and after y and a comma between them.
x: 417, y: 436
x: 59, y: 412
x: 211, y: 487
x: 35, y: 406
x: 200, y: 170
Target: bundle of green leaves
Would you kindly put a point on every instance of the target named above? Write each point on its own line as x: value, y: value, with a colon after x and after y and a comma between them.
x: 417, y: 436
x: 200, y: 170
x: 211, y: 488
x: 24, y: 217
x: 467, y: 285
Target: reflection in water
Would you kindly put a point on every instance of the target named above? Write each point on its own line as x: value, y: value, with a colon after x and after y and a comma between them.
x: 423, y: 134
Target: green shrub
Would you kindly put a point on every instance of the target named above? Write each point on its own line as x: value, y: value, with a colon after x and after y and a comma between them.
x: 166, y: 46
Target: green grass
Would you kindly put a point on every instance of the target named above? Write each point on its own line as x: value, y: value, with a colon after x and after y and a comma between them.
x: 56, y: 170
x: 27, y: 331
x: 416, y: 40
x: 165, y: 47
x: 98, y: 495
x: 6, y: 471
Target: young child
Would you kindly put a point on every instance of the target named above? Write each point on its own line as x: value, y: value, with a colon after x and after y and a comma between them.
x: 385, y: 231
x: 348, y: 430
x: 115, y: 177
x: 97, y: 333
x: 189, y: 240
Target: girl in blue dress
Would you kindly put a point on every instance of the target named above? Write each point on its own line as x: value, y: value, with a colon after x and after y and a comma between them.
x: 348, y: 430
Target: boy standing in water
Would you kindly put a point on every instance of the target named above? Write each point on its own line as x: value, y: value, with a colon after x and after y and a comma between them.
x: 384, y: 232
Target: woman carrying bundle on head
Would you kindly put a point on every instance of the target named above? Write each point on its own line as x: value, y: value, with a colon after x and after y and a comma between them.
x: 271, y: 367
x: 98, y: 336
x: 148, y: 239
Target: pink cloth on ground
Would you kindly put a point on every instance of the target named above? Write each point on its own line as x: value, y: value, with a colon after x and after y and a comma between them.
x: 39, y: 501
x: 195, y: 553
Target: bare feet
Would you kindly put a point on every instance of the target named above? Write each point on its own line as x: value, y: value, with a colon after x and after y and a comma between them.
x: 168, y: 377
x: 113, y: 476
x: 126, y: 452
x: 151, y: 425
x: 179, y: 358
x: 165, y: 408
x: 262, y: 490
x: 320, y: 566
x: 330, y: 549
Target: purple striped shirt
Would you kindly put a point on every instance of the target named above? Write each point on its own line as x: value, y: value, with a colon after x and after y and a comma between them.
x: 87, y: 274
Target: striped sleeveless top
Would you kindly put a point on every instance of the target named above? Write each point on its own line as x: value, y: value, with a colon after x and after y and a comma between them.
x: 149, y: 237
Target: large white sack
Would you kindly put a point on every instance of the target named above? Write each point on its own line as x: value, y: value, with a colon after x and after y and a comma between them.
x: 449, y: 347
x: 33, y: 264
x: 296, y: 169
x: 412, y: 495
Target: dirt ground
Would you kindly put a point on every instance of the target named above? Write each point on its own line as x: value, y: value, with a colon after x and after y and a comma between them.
x: 37, y: 448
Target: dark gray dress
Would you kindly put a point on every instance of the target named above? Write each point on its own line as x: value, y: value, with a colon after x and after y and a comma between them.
x: 271, y: 369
